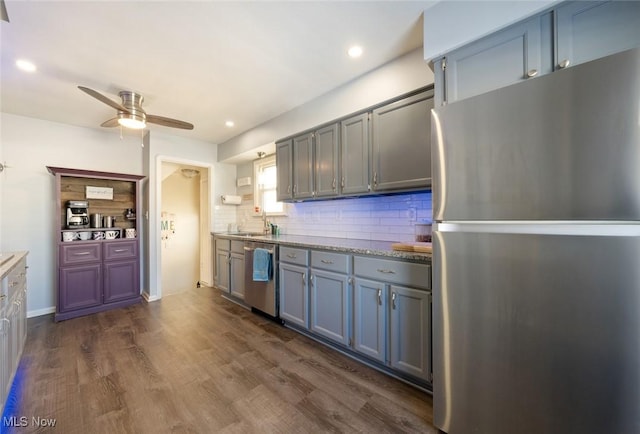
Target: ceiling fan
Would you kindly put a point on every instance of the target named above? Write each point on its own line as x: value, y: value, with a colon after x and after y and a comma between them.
x: 130, y: 113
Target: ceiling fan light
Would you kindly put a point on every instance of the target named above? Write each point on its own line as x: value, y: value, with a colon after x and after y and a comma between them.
x: 131, y: 120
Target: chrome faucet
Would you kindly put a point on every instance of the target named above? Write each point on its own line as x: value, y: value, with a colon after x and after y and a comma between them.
x: 265, y: 224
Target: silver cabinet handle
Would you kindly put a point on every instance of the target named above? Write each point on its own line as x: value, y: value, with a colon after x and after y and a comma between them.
x: 289, y: 188
x: 532, y: 73
x: 564, y: 63
x: 295, y: 188
x: 393, y: 300
x: 304, y: 278
x: 375, y: 178
x: 120, y: 250
x: 81, y: 253
x: 292, y: 255
x: 311, y: 279
x: 333, y: 184
x: 342, y: 183
x: 380, y: 297
x: 325, y: 261
x: 381, y: 270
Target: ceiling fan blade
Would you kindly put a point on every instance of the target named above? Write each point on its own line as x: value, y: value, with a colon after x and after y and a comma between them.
x: 168, y: 122
x: 110, y: 123
x: 103, y: 98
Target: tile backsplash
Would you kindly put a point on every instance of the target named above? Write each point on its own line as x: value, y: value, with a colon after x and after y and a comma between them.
x: 389, y: 218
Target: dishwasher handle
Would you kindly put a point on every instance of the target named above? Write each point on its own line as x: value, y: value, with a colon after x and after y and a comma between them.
x: 251, y: 249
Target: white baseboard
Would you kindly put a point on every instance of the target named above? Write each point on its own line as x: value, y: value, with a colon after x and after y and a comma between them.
x: 149, y: 298
x: 40, y: 312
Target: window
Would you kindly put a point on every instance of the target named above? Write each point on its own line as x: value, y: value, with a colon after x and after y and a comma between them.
x: 265, y: 174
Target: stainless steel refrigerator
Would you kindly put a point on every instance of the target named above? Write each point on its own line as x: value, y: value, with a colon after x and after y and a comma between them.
x: 536, y: 299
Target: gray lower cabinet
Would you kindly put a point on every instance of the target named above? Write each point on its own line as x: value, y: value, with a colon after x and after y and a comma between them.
x: 229, y: 266
x: 330, y: 301
x: 370, y: 318
x: 294, y: 287
x: 223, y: 258
x: 401, y: 144
x: 571, y: 33
x: 410, y: 331
x: 392, y: 314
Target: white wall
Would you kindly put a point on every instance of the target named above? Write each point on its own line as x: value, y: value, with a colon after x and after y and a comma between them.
x: 181, y: 247
x: 28, y: 191
x: 452, y: 24
x: 402, y: 75
x: 164, y: 147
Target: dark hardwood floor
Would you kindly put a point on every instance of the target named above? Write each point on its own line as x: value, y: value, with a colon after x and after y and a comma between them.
x: 197, y: 363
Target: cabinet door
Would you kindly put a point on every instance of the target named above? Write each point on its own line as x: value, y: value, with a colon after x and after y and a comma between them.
x: 370, y: 319
x: 236, y: 286
x: 284, y: 159
x: 410, y: 332
x: 500, y: 59
x: 587, y: 30
x: 330, y: 306
x: 294, y: 298
x: 402, y: 144
x: 326, y: 161
x: 80, y: 287
x: 121, y: 280
x: 354, y: 154
x: 222, y: 269
x: 4, y: 357
x: 303, y: 166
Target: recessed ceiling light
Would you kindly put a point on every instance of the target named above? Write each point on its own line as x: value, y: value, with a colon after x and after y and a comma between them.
x: 355, y: 51
x: 25, y: 65
x: 229, y: 124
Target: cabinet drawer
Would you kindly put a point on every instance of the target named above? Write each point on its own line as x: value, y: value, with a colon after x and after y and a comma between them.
x: 338, y: 262
x: 223, y: 244
x: 294, y: 256
x: 80, y: 253
x: 120, y: 250
x: 237, y: 246
x: 404, y: 273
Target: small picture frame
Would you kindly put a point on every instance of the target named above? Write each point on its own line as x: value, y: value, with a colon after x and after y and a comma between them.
x: 99, y: 193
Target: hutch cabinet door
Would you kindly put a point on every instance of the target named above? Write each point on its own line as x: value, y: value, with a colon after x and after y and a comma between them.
x: 121, y: 280
x: 80, y: 287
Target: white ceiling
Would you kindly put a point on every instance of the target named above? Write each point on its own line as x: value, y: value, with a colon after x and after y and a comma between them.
x: 203, y: 62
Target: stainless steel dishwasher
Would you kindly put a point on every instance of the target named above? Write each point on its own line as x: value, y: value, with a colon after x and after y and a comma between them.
x: 262, y: 296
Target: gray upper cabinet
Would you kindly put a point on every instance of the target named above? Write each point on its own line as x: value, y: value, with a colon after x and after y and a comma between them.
x: 517, y: 53
x: 589, y: 30
x: 284, y: 159
x: 570, y: 34
x: 354, y: 154
x: 303, y: 166
x: 326, y: 161
x: 401, y: 144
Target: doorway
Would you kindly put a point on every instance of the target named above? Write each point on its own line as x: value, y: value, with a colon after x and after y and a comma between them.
x: 184, y: 246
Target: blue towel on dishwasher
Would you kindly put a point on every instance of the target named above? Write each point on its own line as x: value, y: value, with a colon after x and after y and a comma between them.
x: 261, y: 265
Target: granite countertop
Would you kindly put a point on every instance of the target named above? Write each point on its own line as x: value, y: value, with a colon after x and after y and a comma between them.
x: 8, y: 260
x: 364, y: 247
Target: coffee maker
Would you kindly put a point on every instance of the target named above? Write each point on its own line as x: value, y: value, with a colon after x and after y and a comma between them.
x: 77, y: 215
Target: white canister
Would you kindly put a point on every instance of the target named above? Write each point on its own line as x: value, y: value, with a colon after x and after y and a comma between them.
x: 130, y: 233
